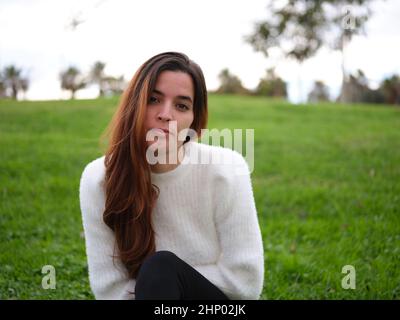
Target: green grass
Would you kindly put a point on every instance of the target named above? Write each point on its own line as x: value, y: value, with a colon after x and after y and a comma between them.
x: 326, y: 182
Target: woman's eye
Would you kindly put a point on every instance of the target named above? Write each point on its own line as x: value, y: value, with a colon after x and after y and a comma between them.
x: 183, y: 107
x: 153, y: 100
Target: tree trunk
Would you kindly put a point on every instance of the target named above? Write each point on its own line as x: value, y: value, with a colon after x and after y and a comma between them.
x: 299, y: 84
x: 14, y: 91
x: 342, y: 97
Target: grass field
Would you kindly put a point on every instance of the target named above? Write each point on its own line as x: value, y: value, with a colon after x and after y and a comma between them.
x: 326, y: 182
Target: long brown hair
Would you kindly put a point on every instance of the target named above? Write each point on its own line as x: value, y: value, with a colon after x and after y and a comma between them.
x: 130, y: 195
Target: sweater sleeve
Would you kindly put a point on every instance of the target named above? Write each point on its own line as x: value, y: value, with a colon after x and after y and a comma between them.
x: 239, y: 273
x: 108, y: 279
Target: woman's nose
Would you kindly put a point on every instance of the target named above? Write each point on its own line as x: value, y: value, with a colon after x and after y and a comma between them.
x: 165, y: 112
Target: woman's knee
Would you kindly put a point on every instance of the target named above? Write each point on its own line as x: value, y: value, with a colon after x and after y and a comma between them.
x: 161, y: 260
x: 158, y: 277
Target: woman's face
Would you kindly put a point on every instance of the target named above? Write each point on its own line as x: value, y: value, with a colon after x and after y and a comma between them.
x: 170, y: 103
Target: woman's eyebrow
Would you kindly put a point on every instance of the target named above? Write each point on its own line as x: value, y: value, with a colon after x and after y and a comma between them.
x: 180, y: 97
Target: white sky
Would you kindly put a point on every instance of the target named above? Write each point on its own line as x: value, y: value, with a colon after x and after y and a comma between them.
x: 34, y: 36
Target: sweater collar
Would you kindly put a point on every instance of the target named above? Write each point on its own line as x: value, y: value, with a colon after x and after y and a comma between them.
x: 179, y: 171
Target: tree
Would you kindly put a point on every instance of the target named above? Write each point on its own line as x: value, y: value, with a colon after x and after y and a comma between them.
x: 390, y: 89
x: 300, y: 27
x: 230, y: 83
x: 12, y: 77
x: 356, y: 89
x: 2, y: 86
x: 13, y: 81
x: 271, y: 85
x: 113, y: 86
x: 97, y: 76
x: 72, y: 80
x: 320, y: 92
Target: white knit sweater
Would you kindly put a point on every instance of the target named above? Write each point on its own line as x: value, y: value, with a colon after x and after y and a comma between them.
x: 205, y: 214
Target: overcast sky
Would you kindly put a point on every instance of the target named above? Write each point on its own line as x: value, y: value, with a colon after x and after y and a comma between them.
x: 36, y: 36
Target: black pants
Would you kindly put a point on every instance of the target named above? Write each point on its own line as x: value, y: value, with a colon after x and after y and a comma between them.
x: 164, y: 276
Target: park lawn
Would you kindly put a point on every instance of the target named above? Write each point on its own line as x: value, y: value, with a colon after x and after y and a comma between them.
x: 326, y: 181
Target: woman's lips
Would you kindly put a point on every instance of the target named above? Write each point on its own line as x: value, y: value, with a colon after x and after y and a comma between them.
x: 165, y: 131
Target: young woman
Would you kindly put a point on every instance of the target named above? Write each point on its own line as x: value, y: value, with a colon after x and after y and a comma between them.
x: 174, y: 229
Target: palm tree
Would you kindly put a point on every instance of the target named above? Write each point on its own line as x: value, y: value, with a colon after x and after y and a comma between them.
x: 97, y: 76
x: 72, y: 80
